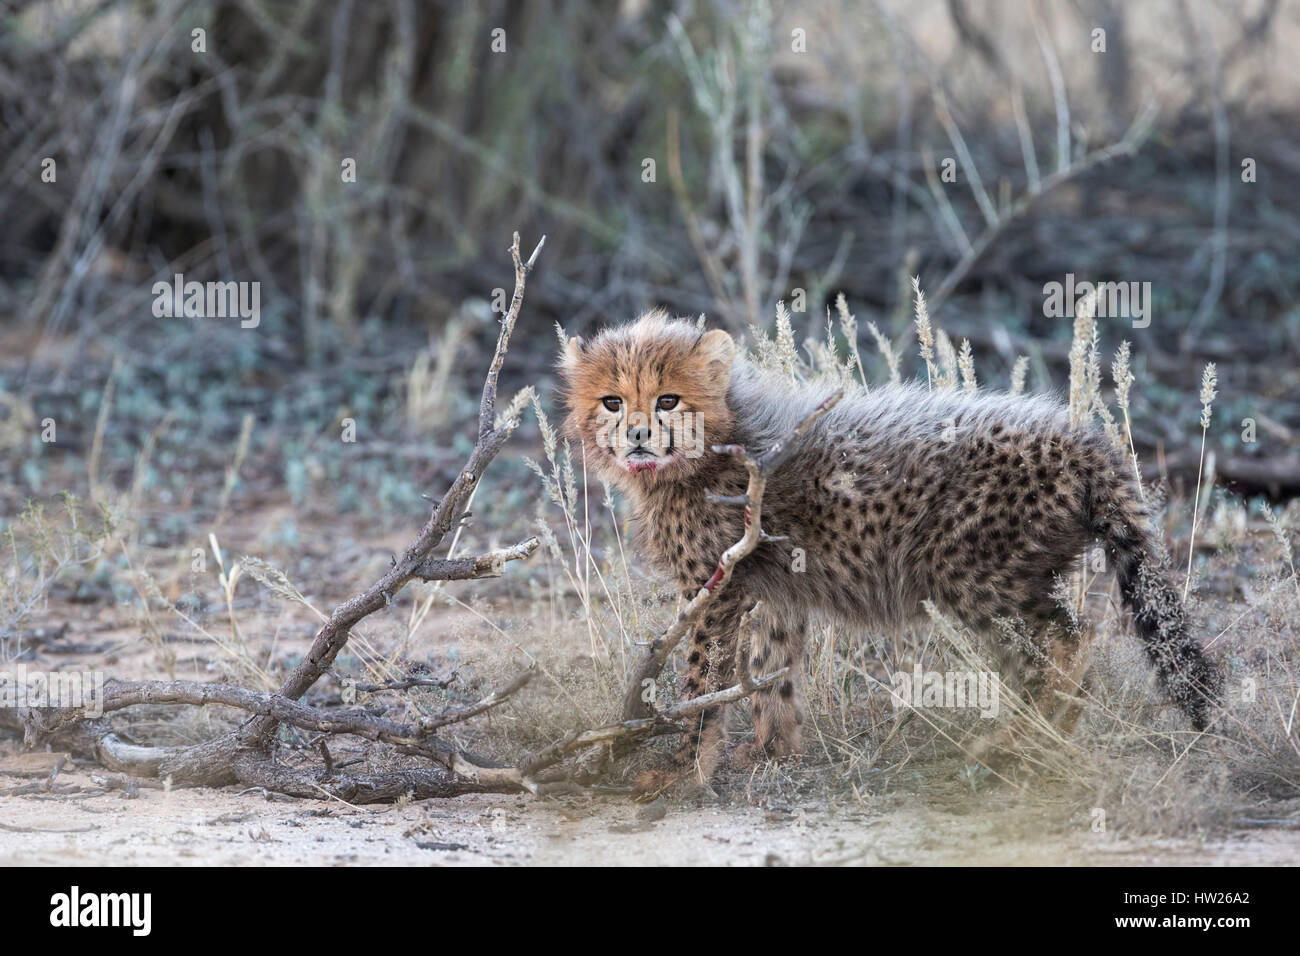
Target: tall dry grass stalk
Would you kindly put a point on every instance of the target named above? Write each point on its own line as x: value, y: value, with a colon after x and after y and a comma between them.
x: 1209, y: 384
x: 232, y: 469
x: 1123, y: 377
x: 101, y: 424
x: 235, y: 646
x: 582, y: 564
x: 778, y: 353
x: 1082, y: 397
x: 428, y: 379
x: 887, y: 350
x: 786, y: 352
x: 966, y: 362
x: 947, y: 359
x: 849, y: 329
x: 924, y: 333
x: 1041, y: 743
x: 1019, y: 372
x: 1280, y: 534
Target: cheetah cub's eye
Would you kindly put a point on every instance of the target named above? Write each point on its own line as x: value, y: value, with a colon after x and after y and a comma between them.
x: 666, y: 403
x: 612, y: 402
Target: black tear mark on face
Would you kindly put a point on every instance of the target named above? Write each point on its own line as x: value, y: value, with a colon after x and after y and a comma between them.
x: 666, y: 428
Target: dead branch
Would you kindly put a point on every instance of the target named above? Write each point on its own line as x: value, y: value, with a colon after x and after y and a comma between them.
x: 454, y: 715
x: 490, y: 565
x: 333, y: 635
x: 246, y: 754
x: 396, y: 685
x: 1068, y: 170
x: 414, y: 737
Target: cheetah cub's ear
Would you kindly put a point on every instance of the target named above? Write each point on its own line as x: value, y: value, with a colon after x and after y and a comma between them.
x: 718, y: 350
x: 573, y: 354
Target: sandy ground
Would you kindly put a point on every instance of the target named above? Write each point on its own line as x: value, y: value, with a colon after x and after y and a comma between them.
x: 88, y: 825
x: 226, y: 827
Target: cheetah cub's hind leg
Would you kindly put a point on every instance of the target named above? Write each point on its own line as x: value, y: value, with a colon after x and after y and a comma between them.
x: 779, y: 709
x: 1057, y: 689
x: 1051, y: 660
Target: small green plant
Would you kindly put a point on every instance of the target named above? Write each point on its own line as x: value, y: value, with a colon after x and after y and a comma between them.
x: 43, y: 548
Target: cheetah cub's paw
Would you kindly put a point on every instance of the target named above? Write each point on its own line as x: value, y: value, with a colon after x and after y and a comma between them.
x: 651, y: 783
x: 674, y: 783
x: 746, y: 756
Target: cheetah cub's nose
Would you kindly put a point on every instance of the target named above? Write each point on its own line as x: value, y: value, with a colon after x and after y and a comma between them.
x: 639, y: 434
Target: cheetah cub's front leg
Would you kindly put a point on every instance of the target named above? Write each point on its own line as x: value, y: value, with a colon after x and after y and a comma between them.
x: 779, y: 709
x: 710, y: 658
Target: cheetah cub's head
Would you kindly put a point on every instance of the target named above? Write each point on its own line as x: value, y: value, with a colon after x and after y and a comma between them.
x: 648, y: 399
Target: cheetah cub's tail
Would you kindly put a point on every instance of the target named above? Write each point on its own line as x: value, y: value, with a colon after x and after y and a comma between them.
x: 1120, y: 518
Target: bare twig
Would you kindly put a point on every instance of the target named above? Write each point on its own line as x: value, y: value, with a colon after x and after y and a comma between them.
x: 490, y: 565
x: 454, y: 715
x: 1126, y: 146
x: 640, y: 728
x: 415, y: 737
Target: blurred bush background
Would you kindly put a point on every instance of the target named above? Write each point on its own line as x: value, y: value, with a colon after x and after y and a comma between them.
x: 714, y: 157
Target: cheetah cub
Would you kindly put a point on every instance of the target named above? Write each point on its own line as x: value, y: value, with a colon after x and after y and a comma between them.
x: 979, y: 503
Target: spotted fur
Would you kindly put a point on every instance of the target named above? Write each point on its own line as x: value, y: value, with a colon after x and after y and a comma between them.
x: 979, y: 503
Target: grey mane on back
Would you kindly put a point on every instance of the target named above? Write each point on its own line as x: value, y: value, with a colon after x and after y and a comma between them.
x: 767, y: 405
